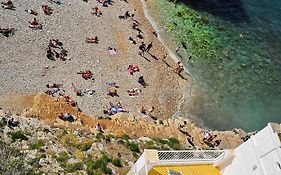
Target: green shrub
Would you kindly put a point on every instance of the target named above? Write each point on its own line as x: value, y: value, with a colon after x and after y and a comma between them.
x: 37, y: 145
x: 117, y: 162
x: 125, y: 137
x: 34, y: 172
x: 159, y: 140
x: 85, y: 146
x: 63, y: 157
x: 46, y: 130
x: 43, y: 156
x: 133, y: 147
x: 174, y: 143
x: 150, y: 145
x: 35, y: 162
x: 100, y: 136
x: 18, y: 135
x: 11, y: 160
x: 108, y: 138
x: 105, y: 158
x: 73, y: 167
x: 99, y: 166
x: 3, y: 123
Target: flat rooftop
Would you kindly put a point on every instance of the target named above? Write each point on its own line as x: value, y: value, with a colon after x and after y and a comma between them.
x: 185, y: 170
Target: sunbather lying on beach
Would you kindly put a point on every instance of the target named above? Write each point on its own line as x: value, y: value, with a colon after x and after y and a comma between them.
x: 7, y: 31
x: 63, y: 54
x: 92, y: 40
x: 132, y: 40
x: 139, y: 35
x: 53, y: 85
x: 179, y: 68
x: 68, y: 99
x: 32, y: 12
x: 75, y: 90
x: 134, y: 92
x: 103, y: 2
x: 58, y: 2
x: 208, y: 137
x: 53, y: 88
x: 89, y: 92
x: 112, y: 91
x: 46, y: 9
x: 97, y: 11
x: 50, y: 54
x: 13, y: 123
x: 52, y: 91
x: 55, y: 43
x: 113, y: 84
x: 134, y: 26
x: 112, y: 51
x: 8, y: 5
x: 34, y: 24
x: 66, y: 117
x: 132, y: 69
x: 86, y: 74
x: 114, y: 109
x: 124, y: 1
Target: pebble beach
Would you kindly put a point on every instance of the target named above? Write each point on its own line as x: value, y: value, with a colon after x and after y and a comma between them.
x: 25, y: 69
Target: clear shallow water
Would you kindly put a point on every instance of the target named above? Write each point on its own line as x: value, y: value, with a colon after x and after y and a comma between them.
x: 236, y: 59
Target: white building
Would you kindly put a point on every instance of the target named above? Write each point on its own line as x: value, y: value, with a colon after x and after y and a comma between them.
x: 259, y: 155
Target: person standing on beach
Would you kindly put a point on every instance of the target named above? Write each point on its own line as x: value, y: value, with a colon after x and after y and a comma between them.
x: 155, y: 33
x: 149, y: 46
x: 127, y: 15
x: 133, y: 14
x: 178, y: 49
x: 142, y: 48
x: 142, y: 82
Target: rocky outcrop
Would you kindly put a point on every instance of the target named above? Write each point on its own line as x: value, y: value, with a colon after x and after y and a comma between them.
x: 48, y: 108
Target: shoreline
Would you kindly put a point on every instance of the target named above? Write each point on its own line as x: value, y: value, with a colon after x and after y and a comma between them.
x: 154, y: 24
x: 186, y: 89
x: 223, y: 99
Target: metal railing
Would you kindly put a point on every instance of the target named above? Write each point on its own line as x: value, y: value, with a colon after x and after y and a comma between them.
x: 192, y: 156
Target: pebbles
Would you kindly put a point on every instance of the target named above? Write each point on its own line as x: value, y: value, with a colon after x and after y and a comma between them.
x: 23, y: 55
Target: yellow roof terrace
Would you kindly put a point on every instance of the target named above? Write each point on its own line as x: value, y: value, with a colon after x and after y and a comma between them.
x: 185, y: 170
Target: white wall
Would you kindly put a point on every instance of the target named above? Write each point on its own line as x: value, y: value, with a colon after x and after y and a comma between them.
x: 260, y: 155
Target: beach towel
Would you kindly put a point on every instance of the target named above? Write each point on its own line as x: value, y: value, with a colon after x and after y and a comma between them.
x: 112, y: 52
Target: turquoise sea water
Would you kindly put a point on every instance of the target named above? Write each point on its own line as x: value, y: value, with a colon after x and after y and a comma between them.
x: 236, y: 58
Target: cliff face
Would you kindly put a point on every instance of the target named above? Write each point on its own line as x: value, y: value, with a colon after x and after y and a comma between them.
x: 48, y: 109
x: 46, y: 144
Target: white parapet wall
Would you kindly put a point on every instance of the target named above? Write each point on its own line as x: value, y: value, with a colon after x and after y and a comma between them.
x: 260, y: 155
x: 152, y: 158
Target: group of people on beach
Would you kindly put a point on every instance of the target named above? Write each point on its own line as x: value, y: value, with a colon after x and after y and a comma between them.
x: 55, y: 50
